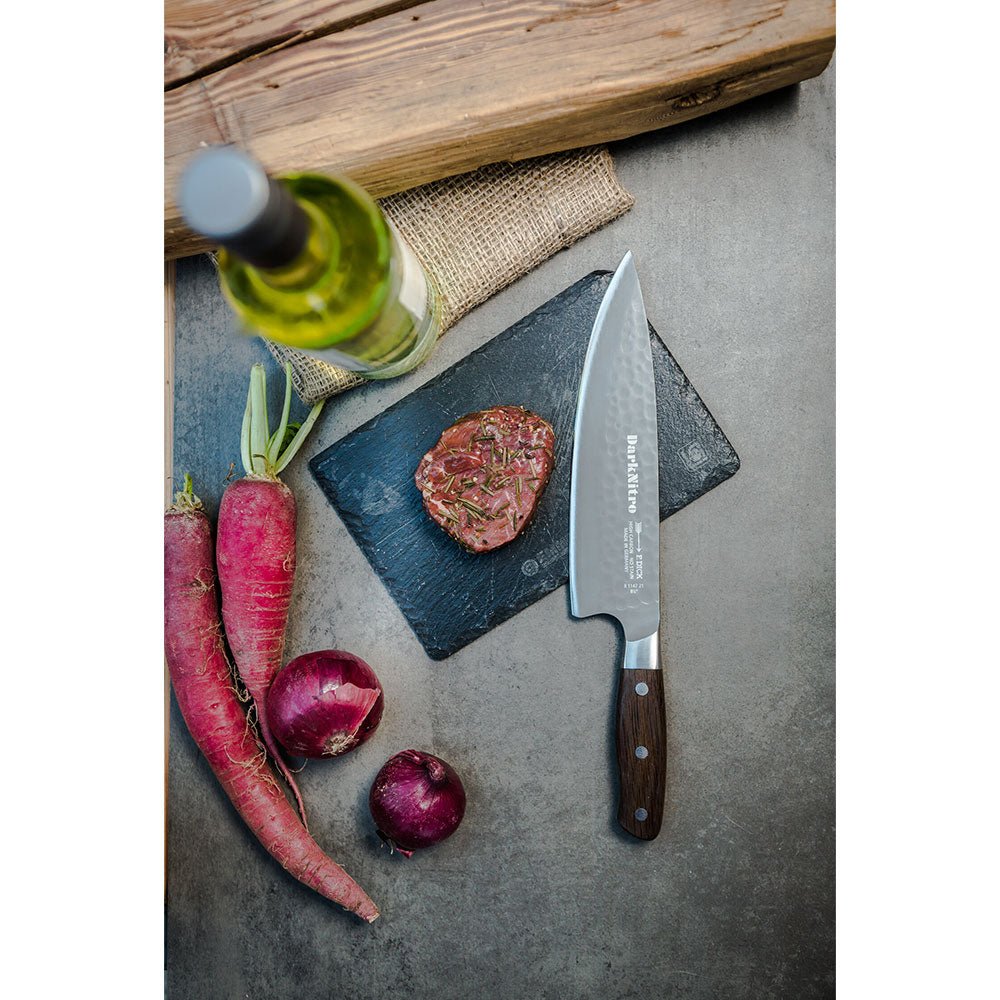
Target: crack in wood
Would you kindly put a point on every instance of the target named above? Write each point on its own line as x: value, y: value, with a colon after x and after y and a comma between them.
x: 287, y: 40
x: 714, y: 91
x: 697, y: 97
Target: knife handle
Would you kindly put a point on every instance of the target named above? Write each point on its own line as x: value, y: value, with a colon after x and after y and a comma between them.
x: 641, y: 739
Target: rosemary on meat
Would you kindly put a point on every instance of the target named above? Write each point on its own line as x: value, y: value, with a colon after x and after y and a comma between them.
x: 473, y: 508
x: 449, y: 513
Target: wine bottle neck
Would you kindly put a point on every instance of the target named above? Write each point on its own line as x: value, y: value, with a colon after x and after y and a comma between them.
x: 277, y: 236
x: 319, y: 253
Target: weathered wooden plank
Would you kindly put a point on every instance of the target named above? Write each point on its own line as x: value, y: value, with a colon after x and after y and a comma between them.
x: 200, y: 36
x: 400, y: 101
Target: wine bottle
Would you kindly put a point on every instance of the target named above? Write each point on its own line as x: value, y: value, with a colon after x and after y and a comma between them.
x: 311, y: 261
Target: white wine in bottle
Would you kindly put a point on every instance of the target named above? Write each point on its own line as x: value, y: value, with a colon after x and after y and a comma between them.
x: 311, y: 261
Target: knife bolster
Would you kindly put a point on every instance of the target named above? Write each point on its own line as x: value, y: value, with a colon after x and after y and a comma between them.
x: 642, y: 654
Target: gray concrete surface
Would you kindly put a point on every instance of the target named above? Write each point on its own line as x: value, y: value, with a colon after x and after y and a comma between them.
x: 538, y: 894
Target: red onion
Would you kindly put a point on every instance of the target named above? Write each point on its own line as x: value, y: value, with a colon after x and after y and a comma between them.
x: 325, y: 703
x: 417, y: 800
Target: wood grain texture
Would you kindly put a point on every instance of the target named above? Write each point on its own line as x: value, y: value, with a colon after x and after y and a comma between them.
x: 201, y: 36
x: 641, y: 722
x: 397, y: 102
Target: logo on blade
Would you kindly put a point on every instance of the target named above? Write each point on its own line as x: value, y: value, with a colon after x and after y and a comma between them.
x: 631, y: 472
x: 632, y: 538
x: 632, y: 557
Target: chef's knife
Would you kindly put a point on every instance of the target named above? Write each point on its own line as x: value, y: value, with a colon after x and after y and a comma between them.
x: 614, y: 534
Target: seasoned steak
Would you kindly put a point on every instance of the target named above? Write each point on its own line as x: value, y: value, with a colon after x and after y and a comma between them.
x: 483, y: 479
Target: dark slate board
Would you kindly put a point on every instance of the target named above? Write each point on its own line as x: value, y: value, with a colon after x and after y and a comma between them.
x: 450, y: 596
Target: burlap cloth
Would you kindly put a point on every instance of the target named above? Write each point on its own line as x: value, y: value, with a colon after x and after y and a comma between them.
x: 478, y: 232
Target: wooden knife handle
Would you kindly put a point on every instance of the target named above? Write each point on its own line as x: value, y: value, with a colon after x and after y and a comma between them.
x: 641, y: 738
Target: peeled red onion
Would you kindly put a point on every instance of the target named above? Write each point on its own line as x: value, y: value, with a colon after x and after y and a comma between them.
x: 417, y: 800
x: 325, y: 703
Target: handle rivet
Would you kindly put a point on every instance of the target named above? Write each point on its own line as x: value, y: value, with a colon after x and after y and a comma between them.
x: 642, y: 688
x: 641, y: 752
x: 641, y: 814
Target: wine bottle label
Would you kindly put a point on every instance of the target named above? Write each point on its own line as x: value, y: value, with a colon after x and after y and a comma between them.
x: 413, y: 282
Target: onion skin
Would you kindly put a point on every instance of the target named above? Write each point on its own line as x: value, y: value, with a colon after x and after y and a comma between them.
x: 324, y: 704
x: 416, y: 800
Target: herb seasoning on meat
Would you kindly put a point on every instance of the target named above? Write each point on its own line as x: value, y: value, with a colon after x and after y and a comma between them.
x: 483, y: 479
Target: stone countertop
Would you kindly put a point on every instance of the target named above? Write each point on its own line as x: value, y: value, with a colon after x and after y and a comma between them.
x: 538, y: 893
